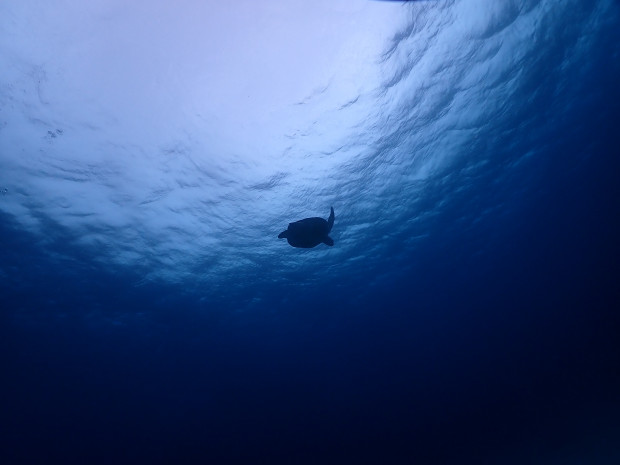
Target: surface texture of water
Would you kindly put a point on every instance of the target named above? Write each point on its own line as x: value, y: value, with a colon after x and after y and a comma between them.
x: 150, y: 155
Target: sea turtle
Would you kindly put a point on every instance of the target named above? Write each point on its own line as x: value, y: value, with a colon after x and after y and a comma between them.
x: 309, y: 232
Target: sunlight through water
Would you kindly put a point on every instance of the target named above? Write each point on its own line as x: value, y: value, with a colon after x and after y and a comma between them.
x: 177, y: 141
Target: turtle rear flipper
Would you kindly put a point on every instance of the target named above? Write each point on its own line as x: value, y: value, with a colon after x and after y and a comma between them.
x: 328, y: 241
x: 330, y: 221
x: 283, y: 234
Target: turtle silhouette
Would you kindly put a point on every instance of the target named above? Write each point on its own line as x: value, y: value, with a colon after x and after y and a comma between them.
x: 309, y: 232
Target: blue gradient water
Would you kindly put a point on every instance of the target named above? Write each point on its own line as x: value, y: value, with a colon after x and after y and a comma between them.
x: 467, y: 312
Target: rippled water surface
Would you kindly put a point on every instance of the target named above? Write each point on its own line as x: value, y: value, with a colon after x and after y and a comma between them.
x: 151, y: 152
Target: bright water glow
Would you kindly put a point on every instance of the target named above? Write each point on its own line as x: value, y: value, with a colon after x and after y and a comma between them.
x: 177, y: 139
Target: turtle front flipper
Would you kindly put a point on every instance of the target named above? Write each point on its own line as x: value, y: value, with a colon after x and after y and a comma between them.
x: 330, y: 222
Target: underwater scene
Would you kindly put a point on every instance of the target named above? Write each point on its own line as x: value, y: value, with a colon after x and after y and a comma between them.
x: 310, y: 232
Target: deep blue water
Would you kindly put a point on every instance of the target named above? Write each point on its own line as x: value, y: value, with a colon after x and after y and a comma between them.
x: 467, y: 313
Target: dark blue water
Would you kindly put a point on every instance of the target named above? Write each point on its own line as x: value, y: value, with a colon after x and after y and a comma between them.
x: 467, y: 313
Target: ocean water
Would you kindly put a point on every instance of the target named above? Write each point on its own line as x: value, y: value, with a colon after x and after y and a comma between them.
x: 151, y: 153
